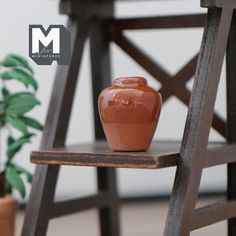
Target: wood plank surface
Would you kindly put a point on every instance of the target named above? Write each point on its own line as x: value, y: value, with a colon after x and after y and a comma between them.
x: 161, y: 154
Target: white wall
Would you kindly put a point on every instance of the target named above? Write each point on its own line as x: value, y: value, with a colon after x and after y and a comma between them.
x: 170, y: 48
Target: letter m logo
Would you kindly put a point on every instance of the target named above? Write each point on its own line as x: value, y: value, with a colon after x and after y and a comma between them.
x: 45, y: 46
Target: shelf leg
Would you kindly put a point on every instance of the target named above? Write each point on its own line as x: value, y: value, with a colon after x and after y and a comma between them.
x: 231, y: 115
x: 45, y: 178
x: 101, y: 78
x: 181, y: 217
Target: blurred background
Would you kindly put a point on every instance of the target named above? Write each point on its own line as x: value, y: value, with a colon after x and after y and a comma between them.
x: 172, y: 48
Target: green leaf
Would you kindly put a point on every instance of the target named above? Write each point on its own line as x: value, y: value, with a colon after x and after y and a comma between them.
x: 20, y: 103
x: 17, y: 145
x: 17, y: 123
x: 2, y: 108
x: 21, y: 76
x: 21, y: 170
x: 5, y: 92
x: 10, y: 140
x: 12, y: 60
x: 15, y: 96
x: 15, y: 181
x: 32, y: 122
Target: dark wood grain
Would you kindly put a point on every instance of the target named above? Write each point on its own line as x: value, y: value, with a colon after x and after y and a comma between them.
x: 220, y: 155
x: 63, y: 208
x: 100, y: 67
x: 231, y: 116
x: 214, y: 213
x: 101, y: 78
x: 86, y: 8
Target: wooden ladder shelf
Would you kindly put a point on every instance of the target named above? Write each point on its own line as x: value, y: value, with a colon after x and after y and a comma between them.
x: 95, y: 20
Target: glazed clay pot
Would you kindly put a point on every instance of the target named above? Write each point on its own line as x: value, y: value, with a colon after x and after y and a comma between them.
x: 8, y: 207
x: 129, y: 111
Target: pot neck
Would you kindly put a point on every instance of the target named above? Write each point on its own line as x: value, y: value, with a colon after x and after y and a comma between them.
x: 129, y: 82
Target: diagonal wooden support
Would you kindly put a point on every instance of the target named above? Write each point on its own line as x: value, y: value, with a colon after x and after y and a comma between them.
x: 194, y: 146
x: 156, y: 70
x: 182, y: 77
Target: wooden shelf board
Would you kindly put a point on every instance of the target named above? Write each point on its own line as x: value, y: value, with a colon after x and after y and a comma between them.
x: 161, y: 154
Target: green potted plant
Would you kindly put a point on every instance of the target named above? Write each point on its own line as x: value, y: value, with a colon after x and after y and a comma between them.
x: 17, y: 126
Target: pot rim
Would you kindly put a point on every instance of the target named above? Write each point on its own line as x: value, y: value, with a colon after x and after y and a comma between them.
x: 130, y: 81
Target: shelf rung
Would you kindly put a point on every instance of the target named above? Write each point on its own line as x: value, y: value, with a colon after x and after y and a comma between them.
x: 161, y: 22
x: 214, y: 213
x: 221, y: 155
x: 162, y: 154
x: 62, y: 208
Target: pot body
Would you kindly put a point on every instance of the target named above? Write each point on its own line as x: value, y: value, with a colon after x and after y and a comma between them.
x: 129, y: 111
x: 8, y: 207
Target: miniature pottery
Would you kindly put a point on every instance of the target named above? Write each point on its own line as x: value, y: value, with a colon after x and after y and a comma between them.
x: 129, y: 111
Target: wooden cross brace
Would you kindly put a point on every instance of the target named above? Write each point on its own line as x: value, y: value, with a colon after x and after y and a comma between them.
x: 171, y: 85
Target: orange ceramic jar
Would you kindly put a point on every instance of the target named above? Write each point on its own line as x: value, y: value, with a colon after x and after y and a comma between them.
x: 129, y: 111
